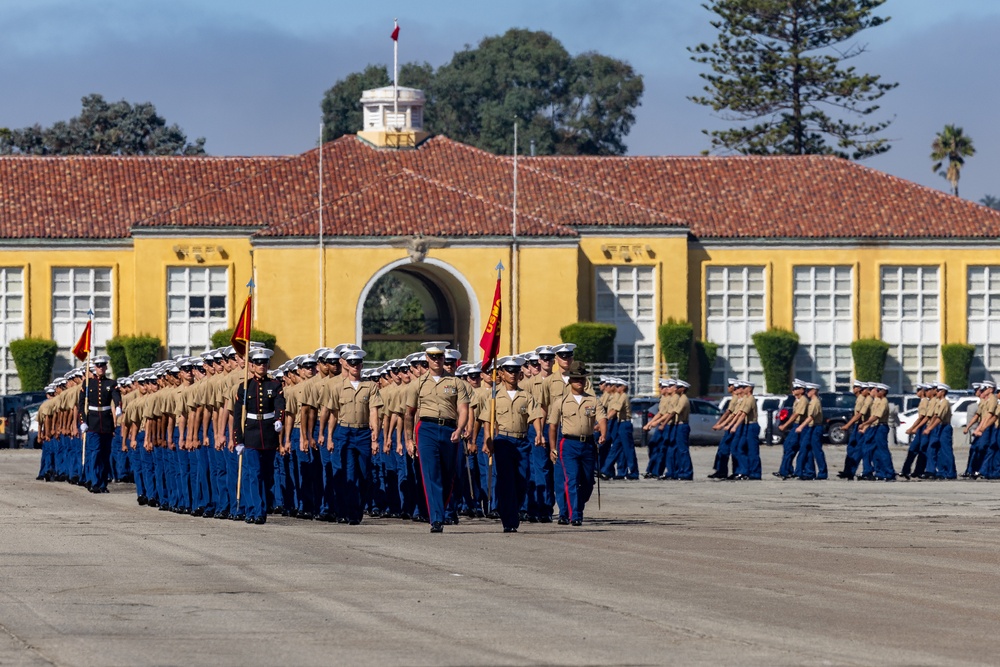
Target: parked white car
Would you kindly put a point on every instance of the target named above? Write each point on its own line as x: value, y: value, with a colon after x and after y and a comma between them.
x: 962, y: 407
x: 765, y: 403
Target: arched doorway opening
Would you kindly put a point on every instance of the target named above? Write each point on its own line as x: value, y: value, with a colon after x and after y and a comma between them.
x: 407, y: 303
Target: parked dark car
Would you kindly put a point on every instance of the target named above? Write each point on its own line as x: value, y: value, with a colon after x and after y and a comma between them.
x: 837, y: 410
x: 15, y: 417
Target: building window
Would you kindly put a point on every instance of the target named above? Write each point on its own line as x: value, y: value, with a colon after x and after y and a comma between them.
x: 911, y: 324
x: 823, y: 298
x: 626, y: 297
x: 197, y: 307
x: 11, y: 325
x: 75, y: 292
x: 735, y: 298
x: 984, y: 320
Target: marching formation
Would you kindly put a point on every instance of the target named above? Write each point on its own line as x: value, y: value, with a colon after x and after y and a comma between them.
x: 428, y: 438
x: 425, y: 438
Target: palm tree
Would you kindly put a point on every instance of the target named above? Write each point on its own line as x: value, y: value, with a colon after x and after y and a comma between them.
x: 954, y: 146
x: 991, y: 202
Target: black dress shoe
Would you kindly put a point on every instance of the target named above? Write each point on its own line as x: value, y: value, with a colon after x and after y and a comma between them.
x: 248, y: 520
x: 40, y: 478
x: 341, y: 519
x: 544, y: 519
x: 208, y: 514
x: 198, y: 511
x: 152, y: 503
x: 437, y: 527
x: 222, y: 515
x: 164, y: 507
x: 260, y: 520
x: 510, y: 530
x: 480, y: 514
x: 307, y: 516
x: 563, y: 521
x: 142, y: 500
x: 237, y: 517
x: 405, y: 516
x: 577, y: 522
x: 353, y: 522
x: 493, y: 515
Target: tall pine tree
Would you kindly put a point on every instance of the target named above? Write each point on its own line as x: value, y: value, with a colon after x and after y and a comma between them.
x: 778, y: 64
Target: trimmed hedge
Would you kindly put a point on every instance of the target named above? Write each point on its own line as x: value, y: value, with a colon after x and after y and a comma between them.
x: 705, y: 352
x: 141, y: 351
x: 594, y: 341
x: 957, y: 359
x: 34, y: 358
x: 676, y: 339
x: 777, y: 348
x: 222, y: 337
x: 115, y: 348
x: 869, y: 359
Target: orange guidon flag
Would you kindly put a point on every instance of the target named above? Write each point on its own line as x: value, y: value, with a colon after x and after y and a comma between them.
x: 241, y: 334
x: 83, y: 346
x: 490, y: 342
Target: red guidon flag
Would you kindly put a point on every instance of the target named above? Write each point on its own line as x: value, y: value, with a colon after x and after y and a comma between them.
x: 241, y: 334
x: 395, y: 34
x: 490, y: 342
x: 83, y: 346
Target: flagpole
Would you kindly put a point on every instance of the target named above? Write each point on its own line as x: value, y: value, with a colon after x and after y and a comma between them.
x: 395, y: 73
x: 322, y: 258
x: 246, y: 382
x: 86, y: 389
x: 513, y: 261
x: 493, y: 413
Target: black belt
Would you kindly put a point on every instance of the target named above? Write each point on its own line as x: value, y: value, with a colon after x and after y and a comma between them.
x: 450, y: 423
x: 581, y: 438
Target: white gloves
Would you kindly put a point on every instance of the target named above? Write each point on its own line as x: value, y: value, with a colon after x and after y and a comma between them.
x: 239, y: 449
x: 83, y: 429
x: 277, y: 427
x: 118, y: 412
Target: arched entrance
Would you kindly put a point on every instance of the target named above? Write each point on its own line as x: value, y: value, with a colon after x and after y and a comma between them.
x: 406, y: 303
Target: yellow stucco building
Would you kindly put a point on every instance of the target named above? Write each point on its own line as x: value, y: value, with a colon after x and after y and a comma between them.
x: 823, y: 246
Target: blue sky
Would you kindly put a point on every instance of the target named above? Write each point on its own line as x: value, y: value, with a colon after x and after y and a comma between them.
x: 249, y: 74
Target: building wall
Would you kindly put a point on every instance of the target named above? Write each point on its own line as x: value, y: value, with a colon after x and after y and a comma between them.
x: 557, y: 282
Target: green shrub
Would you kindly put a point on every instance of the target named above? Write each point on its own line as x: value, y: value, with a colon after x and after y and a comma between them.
x: 34, y: 358
x: 142, y: 350
x: 706, y: 352
x: 222, y: 337
x: 119, y: 360
x: 676, y: 339
x: 957, y: 358
x: 869, y: 359
x: 777, y: 348
x: 595, y: 342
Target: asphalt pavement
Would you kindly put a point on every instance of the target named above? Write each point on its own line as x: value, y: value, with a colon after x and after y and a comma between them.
x: 680, y: 573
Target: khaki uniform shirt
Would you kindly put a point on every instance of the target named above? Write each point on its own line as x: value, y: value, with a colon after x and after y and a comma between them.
x: 799, y: 408
x: 577, y: 419
x: 922, y: 406
x: 815, y: 410
x: 942, y: 410
x: 439, y: 400
x: 682, y: 409
x: 353, y: 404
x: 880, y: 410
x: 513, y: 414
x: 293, y: 402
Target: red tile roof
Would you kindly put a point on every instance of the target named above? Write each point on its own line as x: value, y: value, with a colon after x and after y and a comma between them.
x: 779, y: 197
x: 102, y: 197
x: 444, y: 188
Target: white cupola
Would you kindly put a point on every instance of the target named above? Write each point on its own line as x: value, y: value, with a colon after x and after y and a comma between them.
x: 393, y: 117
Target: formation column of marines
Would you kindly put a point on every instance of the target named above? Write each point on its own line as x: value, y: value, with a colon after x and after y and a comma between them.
x: 321, y: 438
